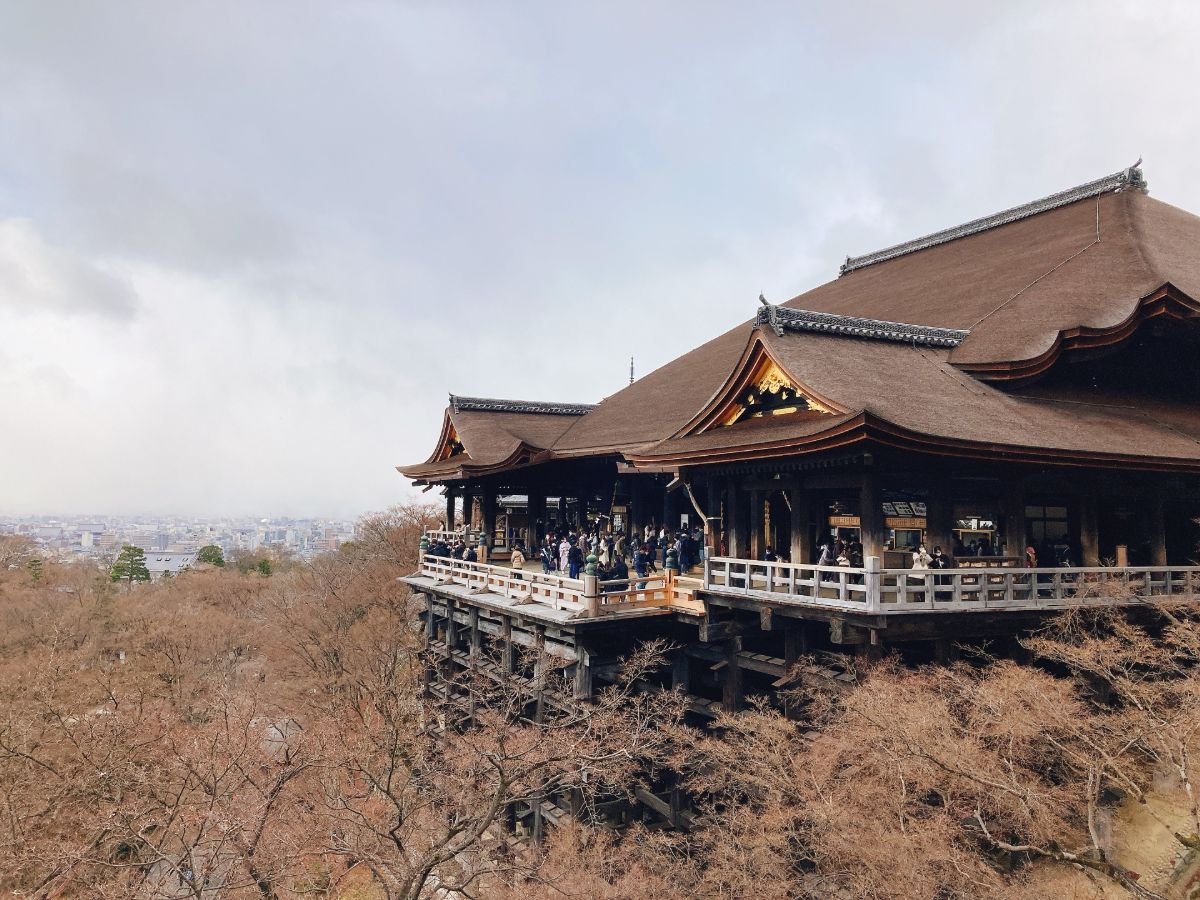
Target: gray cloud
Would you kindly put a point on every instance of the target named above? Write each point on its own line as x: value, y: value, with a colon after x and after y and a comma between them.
x: 294, y: 227
x: 37, y: 277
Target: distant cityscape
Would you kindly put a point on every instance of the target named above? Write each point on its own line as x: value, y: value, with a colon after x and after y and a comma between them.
x: 172, y: 542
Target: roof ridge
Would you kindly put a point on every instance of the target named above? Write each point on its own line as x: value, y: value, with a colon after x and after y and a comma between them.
x: 487, y: 404
x: 781, y: 318
x: 1127, y: 179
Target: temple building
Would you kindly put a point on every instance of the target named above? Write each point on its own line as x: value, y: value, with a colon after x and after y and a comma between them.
x: 1027, y: 378
x: 1021, y: 391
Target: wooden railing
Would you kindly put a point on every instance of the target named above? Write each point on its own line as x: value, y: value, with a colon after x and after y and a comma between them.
x: 467, y: 536
x: 651, y: 591
x: 576, y: 595
x: 529, y: 587
x: 874, y: 590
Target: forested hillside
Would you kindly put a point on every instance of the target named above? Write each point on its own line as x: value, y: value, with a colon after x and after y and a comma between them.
x: 230, y: 733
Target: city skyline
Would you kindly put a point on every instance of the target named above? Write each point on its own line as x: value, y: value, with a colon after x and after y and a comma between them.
x: 239, y: 244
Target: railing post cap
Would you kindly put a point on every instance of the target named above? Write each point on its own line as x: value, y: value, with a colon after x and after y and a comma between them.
x: 871, y: 564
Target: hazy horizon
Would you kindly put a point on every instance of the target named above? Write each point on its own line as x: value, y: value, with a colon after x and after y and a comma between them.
x: 246, y: 250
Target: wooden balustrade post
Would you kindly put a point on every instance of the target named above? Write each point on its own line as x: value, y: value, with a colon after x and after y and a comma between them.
x: 871, y: 578
x: 591, y: 594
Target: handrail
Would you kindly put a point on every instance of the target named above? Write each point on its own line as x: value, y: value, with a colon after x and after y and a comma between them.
x: 579, y: 595
x: 462, y: 533
x: 536, y: 587
x: 875, y: 590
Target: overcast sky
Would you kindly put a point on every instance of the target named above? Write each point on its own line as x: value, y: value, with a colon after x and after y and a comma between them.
x: 247, y: 248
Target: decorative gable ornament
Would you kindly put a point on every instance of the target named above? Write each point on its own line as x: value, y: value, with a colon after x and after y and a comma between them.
x: 451, y: 445
x: 770, y: 393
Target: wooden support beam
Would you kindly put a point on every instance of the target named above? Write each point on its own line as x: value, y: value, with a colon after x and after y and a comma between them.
x: 870, y: 651
x: 475, y: 633
x: 538, y: 821
x: 795, y: 642
x: 945, y: 650
x: 508, y: 653
x: 681, y: 670
x: 731, y: 681
x: 764, y: 618
x: 451, y: 625
x: 842, y: 632
x: 718, y: 631
x: 584, y: 688
x: 539, y: 674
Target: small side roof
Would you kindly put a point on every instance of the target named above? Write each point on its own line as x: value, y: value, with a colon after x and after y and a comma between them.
x: 481, y: 434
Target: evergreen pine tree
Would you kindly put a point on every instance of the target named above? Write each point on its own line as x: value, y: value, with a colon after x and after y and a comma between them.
x: 130, y: 565
x: 211, y: 554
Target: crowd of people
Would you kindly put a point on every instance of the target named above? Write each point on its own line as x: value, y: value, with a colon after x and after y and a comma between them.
x: 564, y: 551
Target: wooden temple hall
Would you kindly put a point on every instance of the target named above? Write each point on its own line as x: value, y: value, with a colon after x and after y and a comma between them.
x: 1022, y: 391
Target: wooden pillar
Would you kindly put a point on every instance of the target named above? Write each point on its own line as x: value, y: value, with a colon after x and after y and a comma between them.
x: 535, y: 801
x: 939, y: 518
x: 1156, y: 514
x: 451, y: 627
x: 488, y: 520
x: 681, y: 670
x: 535, y: 512
x: 795, y: 645
x: 1089, y: 529
x: 1016, y: 535
x: 637, y: 511
x: 945, y: 650
x: 584, y: 687
x: 539, y: 672
x: 801, y: 549
x: 507, y: 652
x: 735, y: 537
x: 871, y: 650
x: 874, y: 535
x: 475, y: 634
x: 714, y: 526
x: 731, y: 684
x: 670, y: 511
x: 758, y: 540
x: 449, y: 507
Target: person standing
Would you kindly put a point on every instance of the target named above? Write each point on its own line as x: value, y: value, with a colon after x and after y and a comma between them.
x: 564, y: 553
x: 641, y: 564
x: 574, y: 560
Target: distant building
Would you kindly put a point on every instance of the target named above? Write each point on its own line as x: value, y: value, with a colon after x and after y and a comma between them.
x: 173, y: 563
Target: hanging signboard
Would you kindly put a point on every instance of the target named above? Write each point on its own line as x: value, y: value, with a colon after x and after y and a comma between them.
x: 911, y: 523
